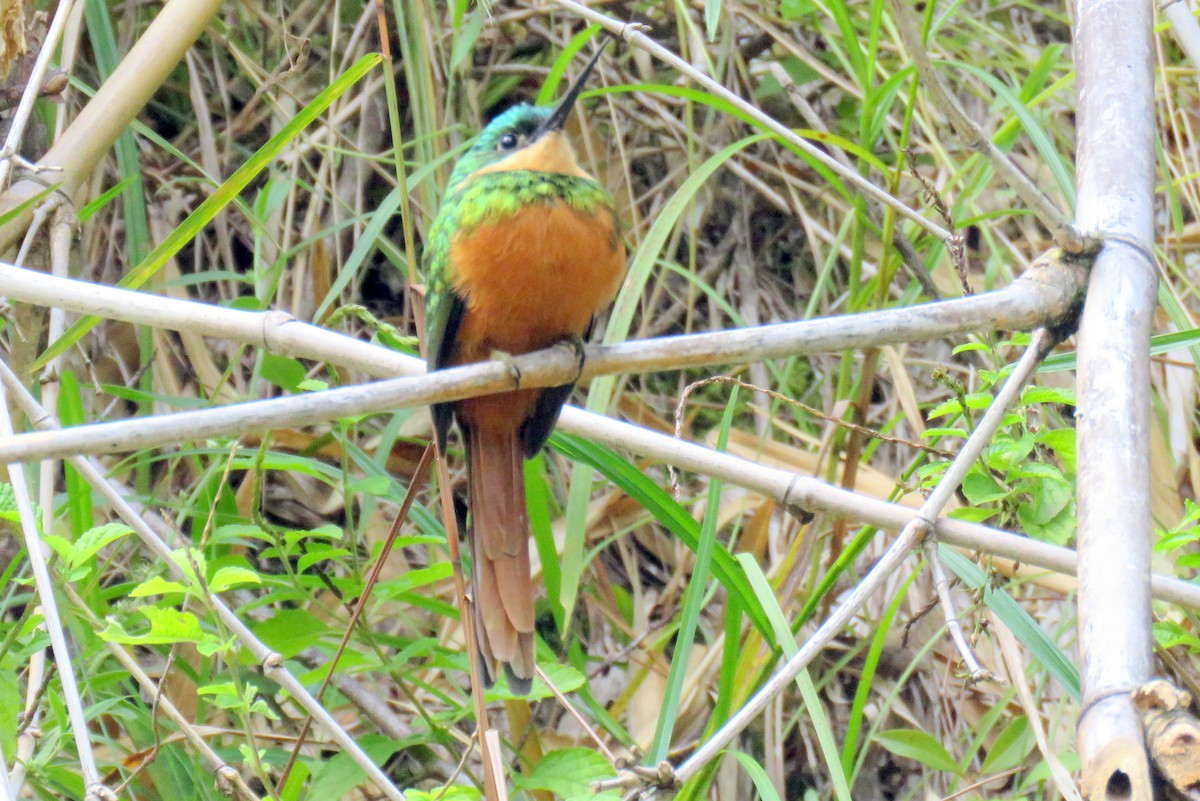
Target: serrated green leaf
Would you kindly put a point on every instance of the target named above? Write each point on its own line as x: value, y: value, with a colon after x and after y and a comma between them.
x: 156, y: 586
x: 568, y: 772
x: 92, y: 540
x: 228, y: 577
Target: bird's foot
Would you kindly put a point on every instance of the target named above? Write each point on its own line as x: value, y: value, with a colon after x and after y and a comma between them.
x: 575, y: 344
x: 509, y: 362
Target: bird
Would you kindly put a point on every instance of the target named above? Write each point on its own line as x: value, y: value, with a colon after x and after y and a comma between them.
x: 523, y: 254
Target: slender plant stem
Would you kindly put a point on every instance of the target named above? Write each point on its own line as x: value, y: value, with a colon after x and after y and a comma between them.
x: 53, y: 621
x: 271, y: 662
x: 917, y: 529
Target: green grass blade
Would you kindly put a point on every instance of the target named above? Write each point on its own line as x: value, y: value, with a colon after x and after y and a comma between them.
x: 1042, y: 141
x: 866, y: 680
x: 757, y: 774
x: 808, y: 692
x: 1013, y: 615
x: 79, y: 492
x: 666, y: 511
x: 692, y: 602
x: 546, y: 94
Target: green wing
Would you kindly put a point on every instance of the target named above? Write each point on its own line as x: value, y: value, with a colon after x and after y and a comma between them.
x: 444, y: 307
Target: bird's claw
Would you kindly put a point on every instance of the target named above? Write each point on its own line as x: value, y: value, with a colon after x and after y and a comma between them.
x: 510, y: 363
x: 576, y: 346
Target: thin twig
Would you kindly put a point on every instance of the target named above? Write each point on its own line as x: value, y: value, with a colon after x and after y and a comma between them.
x: 914, y: 532
x: 51, y: 619
x: 975, y: 672
x: 419, y: 476
x: 632, y: 33
x: 580, y: 719
x: 272, y: 663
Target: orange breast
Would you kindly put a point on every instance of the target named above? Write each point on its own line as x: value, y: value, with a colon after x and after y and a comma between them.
x: 533, y: 279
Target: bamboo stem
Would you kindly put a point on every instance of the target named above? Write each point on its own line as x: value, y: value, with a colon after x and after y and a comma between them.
x: 1044, y: 295
x: 140, y: 74
x: 36, y: 552
x: 271, y: 662
x: 922, y: 524
x: 1115, y: 177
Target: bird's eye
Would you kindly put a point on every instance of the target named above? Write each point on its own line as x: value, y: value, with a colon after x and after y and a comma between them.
x: 508, y: 141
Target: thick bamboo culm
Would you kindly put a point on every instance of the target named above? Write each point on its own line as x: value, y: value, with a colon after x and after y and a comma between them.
x: 1116, y: 177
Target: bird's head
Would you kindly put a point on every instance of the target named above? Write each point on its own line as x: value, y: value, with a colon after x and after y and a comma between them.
x: 527, y: 137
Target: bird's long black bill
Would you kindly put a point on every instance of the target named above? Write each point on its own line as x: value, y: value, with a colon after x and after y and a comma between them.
x: 558, y: 118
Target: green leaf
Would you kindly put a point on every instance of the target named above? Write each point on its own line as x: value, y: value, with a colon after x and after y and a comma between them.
x: 693, y: 600
x: 340, y: 774
x: 92, y: 540
x: 1010, y: 748
x: 545, y: 95
x: 758, y: 775
x: 1033, y: 395
x: 464, y: 43
x: 981, y: 488
x: 167, y: 627
x: 228, y: 577
x: 282, y: 371
x: 668, y: 512
x: 1062, y: 442
x: 973, y: 514
x: 712, y: 15
x: 567, y: 772
x: 290, y: 631
x: 156, y: 586
x: 808, y: 692
x: 796, y: 9
x: 455, y: 792
x: 564, y: 677
x: 917, y: 745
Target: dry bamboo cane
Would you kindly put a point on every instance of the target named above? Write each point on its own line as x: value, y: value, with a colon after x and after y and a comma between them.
x: 281, y: 333
x: 1113, y: 53
x: 135, y: 80
x: 271, y: 663
x: 1045, y: 294
x: 920, y: 526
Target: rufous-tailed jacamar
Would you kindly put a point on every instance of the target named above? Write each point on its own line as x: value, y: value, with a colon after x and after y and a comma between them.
x: 524, y: 252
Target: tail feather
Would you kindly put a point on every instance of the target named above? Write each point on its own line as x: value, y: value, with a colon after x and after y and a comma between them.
x: 504, y: 618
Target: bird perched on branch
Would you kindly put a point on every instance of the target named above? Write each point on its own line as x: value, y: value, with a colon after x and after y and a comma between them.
x: 524, y: 252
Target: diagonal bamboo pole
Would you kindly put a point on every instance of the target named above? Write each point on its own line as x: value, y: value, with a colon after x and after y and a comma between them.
x: 272, y: 664
x: 920, y: 526
x: 135, y: 80
x: 1044, y: 295
x: 791, y: 490
x: 1115, y: 177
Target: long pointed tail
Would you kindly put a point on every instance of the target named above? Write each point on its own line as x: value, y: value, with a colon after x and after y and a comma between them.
x: 504, y: 591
